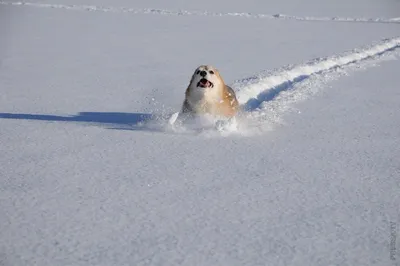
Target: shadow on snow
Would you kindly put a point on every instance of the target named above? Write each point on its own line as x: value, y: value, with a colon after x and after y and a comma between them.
x: 271, y: 93
x: 114, y: 120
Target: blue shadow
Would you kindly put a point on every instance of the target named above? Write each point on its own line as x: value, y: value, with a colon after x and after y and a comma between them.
x: 271, y: 93
x: 107, y: 119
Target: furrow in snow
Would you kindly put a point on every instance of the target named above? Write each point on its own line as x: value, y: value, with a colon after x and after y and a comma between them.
x: 201, y: 13
x: 268, y: 95
x: 266, y: 86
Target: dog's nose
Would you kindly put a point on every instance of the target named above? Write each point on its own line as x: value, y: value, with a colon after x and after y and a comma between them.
x: 203, y: 73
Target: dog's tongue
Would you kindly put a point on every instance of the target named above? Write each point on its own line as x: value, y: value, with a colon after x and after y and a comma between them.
x: 204, y: 82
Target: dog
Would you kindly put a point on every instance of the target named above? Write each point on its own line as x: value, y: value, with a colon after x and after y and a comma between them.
x: 207, y: 93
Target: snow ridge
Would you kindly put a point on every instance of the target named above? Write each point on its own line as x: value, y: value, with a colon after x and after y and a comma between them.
x: 265, y: 86
x: 202, y: 13
x: 268, y: 96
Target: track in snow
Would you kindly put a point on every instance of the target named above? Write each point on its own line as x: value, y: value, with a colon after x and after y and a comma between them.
x: 252, y: 90
x: 201, y: 13
x: 266, y: 97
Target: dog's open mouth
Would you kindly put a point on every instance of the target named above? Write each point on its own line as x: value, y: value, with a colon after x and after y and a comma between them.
x: 204, y: 83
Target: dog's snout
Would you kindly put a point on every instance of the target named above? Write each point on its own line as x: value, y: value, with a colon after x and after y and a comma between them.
x: 203, y: 73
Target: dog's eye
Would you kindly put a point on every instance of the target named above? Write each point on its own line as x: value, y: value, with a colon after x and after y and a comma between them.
x: 211, y: 72
x: 197, y: 72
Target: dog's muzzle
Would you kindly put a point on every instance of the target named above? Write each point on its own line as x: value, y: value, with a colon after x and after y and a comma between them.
x: 204, y: 83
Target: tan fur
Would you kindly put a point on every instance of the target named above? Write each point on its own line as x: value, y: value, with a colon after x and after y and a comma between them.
x: 219, y: 100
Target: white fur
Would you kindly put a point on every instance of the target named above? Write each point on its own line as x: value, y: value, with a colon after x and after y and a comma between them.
x: 199, y: 96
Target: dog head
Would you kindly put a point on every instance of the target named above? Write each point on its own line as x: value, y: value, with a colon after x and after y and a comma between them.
x: 206, y: 77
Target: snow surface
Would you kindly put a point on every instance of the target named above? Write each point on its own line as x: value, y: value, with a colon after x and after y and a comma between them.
x: 181, y: 12
x: 92, y: 174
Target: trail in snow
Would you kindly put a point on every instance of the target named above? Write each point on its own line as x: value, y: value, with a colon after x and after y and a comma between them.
x: 252, y: 91
x: 266, y: 97
x: 202, y: 13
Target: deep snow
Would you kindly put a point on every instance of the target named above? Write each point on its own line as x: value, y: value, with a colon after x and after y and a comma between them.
x: 311, y: 177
